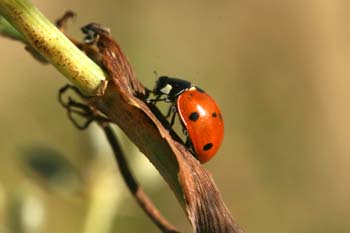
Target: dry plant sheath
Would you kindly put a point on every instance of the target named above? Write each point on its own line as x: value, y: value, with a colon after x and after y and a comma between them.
x: 121, y: 103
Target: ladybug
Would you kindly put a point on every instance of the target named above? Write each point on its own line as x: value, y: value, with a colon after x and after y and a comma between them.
x: 198, y: 112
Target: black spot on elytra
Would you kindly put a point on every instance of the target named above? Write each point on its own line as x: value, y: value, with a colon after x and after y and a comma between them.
x: 214, y: 114
x: 207, y: 146
x: 194, y: 116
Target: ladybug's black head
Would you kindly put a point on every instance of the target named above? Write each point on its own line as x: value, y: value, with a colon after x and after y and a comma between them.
x: 171, y: 87
x: 161, y: 86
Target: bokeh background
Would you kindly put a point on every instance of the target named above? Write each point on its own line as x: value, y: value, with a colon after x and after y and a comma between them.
x: 278, y: 69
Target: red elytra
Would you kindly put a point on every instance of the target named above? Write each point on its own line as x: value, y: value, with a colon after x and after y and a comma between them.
x: 203, y: 121
x: 199, y: 114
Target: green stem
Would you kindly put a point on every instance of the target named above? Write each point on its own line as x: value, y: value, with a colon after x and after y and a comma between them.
x: 6, y: 29
x: 53, y: 45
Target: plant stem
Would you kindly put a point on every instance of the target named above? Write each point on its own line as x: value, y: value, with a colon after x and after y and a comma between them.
x: 6, y: 29
x: 53, y: 45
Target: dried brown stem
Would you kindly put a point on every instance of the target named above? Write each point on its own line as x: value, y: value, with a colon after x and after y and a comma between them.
x: 141, y: 197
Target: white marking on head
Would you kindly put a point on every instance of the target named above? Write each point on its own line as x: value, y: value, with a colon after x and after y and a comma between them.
x: 166, y: 90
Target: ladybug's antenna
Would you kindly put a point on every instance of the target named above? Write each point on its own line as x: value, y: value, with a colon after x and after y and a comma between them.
x: 155, y: 74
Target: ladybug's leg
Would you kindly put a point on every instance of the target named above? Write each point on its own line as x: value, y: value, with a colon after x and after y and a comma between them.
x: 172, y: 110
x: 184, y: 131
x: 156, y: 100
x: 188, y: 142
x: 189, y: 146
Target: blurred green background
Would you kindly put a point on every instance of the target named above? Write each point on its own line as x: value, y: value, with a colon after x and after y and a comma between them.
x: 279, y: 71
